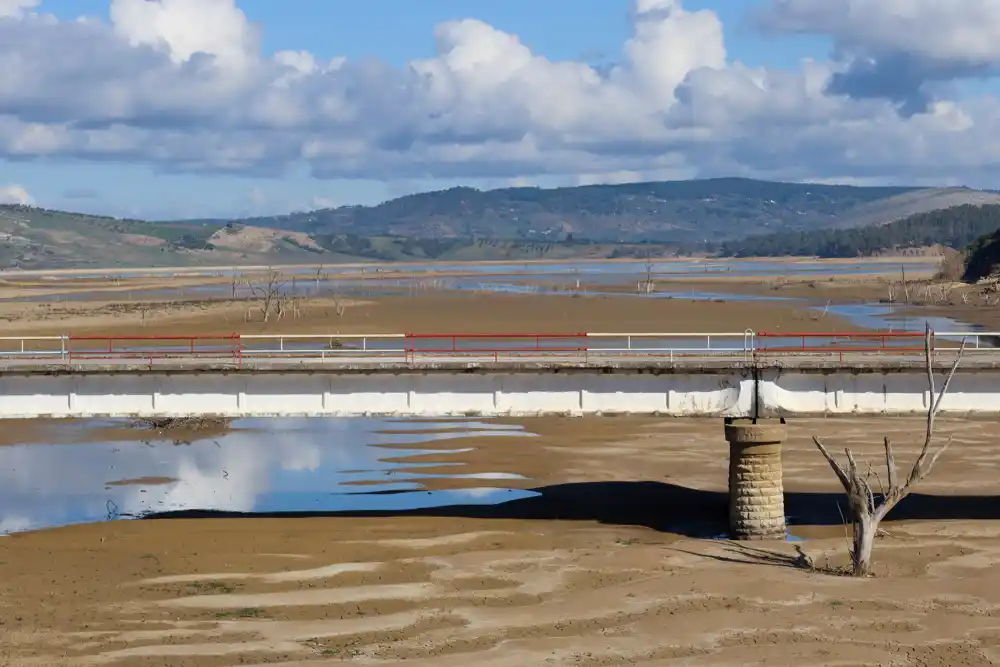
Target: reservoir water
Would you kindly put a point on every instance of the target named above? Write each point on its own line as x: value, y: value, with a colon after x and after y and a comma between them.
x: 94, y: 471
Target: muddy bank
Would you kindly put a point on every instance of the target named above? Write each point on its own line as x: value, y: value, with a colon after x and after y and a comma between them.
x: 433, y: 312
x: 588, y: 574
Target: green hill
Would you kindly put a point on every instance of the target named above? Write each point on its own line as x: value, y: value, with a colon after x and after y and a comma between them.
x: 954, y: 227
x: 678, y: 212
x: 983, y: 257
x: 599, y: 221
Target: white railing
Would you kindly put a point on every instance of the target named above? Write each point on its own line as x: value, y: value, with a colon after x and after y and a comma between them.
x: 33, y: 346
x: 19, y: 351
x: 726, y: 344
x: 312, y: 345
x: 974, y: 340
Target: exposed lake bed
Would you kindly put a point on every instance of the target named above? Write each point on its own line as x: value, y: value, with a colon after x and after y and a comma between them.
x: 600, y: 564
x: 466, y: 541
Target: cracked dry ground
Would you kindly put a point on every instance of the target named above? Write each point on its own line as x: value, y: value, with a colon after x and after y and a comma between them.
x: 600, y: 574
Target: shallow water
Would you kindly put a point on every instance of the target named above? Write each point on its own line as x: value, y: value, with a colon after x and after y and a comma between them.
x: 547, y: 268
x: 273, y: 465
x: 610, y: 272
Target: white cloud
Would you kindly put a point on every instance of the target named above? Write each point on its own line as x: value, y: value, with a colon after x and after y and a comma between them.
x: 183, y: 28
x: 16, y: 8
x: 183, y: 85
x: 898, y: 49
x: 15, y: 194
x: 958, y: 31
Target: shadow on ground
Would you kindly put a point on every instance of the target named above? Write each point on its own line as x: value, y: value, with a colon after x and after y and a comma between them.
x: 659, y: 506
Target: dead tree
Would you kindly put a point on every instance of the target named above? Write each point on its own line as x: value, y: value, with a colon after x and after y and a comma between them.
x: 269, y: 293
x: 649, y: 275
x: 864, y: 510
x: 319, y: 276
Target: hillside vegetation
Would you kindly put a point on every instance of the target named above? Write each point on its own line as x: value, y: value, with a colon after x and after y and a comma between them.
x: 601, y: 221
x: 983, y: 257
x: 677, y: 212
x: 955, y: 227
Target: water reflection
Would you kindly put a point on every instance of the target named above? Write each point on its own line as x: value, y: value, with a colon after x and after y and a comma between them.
x: 272, y: 465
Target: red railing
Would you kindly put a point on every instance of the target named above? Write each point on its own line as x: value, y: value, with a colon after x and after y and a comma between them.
x: 476, y: 344
x: 870, y: 342
x: 154, y: 347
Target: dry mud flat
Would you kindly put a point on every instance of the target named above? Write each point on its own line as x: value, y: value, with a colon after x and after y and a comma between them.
x: 433, y: 312
x: 599, y: 570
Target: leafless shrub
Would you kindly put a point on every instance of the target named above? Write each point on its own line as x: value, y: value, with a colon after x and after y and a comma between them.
x: 269, y: 293
x: 648, y: 285
x: 865, y: 511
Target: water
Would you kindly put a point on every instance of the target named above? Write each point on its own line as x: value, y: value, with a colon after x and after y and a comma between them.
x: 274, y: 465
x: 599, y: 272
x: 882, y: 316
x: 618, y: 267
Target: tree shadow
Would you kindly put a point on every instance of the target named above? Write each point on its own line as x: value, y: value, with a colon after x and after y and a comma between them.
x: 744, y: 554
x: 663, y: 507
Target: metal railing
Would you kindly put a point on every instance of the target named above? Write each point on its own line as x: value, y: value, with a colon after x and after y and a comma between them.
x: 496, y: 347
x: 671, y: 345
x: 321, y: 346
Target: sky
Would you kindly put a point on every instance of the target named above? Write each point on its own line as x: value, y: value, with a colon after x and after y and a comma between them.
x: 230, y: 108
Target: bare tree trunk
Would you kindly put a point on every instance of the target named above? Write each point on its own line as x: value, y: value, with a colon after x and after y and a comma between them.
x: 864, y: 542
x: 864, y: 511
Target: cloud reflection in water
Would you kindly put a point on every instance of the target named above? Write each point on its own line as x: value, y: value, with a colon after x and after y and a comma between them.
x: 265, y: 465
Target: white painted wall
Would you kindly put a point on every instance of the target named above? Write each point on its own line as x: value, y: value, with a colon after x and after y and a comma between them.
x: 383, y: 393
x: 802, y: 392
x: 721, y: 394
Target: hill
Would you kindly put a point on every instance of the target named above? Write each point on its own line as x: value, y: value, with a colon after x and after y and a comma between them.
x: 677, y: 212
x: 40, y: 238
x: 954, y: 227
x: 600, y: 221
x: 33, y: 238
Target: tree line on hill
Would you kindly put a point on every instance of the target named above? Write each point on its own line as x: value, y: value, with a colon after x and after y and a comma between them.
x: 952, y: 227
x: 982, y: 258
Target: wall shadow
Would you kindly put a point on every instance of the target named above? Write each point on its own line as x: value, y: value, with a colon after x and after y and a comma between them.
x: 660, y: 506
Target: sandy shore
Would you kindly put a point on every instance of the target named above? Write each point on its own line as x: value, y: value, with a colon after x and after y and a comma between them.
x: 430, y: 312
x: 599, y: 570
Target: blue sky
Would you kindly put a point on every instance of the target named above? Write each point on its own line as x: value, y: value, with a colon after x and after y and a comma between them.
x: 151, y: 181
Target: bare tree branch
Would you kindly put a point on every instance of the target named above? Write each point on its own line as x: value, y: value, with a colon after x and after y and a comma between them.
x: 840, y: 472
x: 920, y: 468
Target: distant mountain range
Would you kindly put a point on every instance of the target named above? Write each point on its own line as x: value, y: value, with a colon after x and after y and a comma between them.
x: 467, y: 224
x: 679, y: 212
